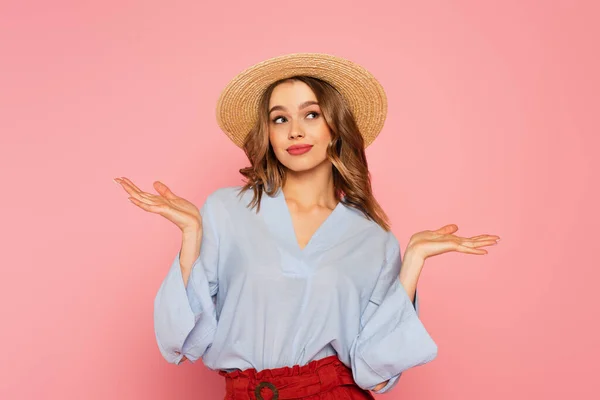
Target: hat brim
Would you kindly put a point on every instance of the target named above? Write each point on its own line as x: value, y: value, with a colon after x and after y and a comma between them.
x: 237, y: 107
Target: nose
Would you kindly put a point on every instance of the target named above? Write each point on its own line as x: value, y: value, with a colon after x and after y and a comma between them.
x: 295, y: 131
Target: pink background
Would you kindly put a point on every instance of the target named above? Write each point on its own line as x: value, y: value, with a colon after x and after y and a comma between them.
x: 492, y: 125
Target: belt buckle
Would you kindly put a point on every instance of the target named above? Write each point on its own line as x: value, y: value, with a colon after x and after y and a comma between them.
x: 270, y: 386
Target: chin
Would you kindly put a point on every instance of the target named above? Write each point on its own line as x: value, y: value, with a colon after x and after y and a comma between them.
x: 302, y: 168
x: 302, y: 165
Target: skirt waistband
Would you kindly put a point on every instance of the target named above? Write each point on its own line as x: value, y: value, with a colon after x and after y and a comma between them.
x: 316, y: 377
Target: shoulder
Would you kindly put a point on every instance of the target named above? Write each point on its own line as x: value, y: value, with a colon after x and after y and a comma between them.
x: 220, y: 202
x: 227, y: 196
x: 222, y: 205
x: 372, y: 233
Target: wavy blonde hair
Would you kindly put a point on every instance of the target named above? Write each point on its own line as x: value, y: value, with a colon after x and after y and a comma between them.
x: 351, y: 177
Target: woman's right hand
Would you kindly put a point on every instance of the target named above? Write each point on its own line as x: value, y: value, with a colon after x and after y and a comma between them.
x: 178, y: 210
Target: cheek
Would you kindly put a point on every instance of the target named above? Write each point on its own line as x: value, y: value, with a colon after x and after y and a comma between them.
x: 323, y: 139
x: 278, y: 141
x: 274, y: 138
x: 325, y: 135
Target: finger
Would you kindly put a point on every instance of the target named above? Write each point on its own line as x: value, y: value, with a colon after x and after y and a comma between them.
x: 152, y: 198
x: 144, y: 206
x: 481, y: 238
x: 470, y: 250
x: 484, y: 237
x: 478, y: 243
x: 164, y: 190
x: 136, y: 192
x: 145, y: 198
x: 132, y: 190
x: 466, y: 239
x: 447, y: 228
x: 131, y: 184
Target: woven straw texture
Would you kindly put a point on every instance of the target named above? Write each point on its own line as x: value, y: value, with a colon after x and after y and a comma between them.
x: 237, y: 107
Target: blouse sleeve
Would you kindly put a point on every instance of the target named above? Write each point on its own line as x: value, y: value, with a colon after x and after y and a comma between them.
x: 392, y: 338
x: 185, y: 318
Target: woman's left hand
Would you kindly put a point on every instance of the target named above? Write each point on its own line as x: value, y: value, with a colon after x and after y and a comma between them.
x: 431, y: 243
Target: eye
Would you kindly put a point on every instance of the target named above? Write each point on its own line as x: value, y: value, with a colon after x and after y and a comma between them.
x: 316, y: 114
x: 276, y: 118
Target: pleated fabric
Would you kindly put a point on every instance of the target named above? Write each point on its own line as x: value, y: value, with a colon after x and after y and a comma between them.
x: 324, y: 379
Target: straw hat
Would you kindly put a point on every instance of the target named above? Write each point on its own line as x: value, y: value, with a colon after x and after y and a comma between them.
x: 237, y: 107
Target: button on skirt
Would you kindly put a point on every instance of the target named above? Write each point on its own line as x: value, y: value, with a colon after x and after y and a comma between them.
x: 324, y: 379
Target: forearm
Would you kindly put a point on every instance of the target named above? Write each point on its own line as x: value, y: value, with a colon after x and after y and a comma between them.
x: 412, y: 265
x: 381, y: 385
x: 190, y: 250
x: 409, y: 276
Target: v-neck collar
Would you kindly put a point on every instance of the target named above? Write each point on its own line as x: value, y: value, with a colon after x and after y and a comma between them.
x: 279, y: 221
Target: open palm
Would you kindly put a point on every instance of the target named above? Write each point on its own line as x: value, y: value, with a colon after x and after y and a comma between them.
x: 178, y: 210
x: 430, y: 243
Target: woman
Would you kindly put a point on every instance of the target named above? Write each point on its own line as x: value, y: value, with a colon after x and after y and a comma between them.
x: 291, y: 285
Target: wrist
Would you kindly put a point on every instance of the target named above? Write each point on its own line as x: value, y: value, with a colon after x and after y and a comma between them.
x: 192, y: 230
x: 412, y: 264
x: 413, y: 259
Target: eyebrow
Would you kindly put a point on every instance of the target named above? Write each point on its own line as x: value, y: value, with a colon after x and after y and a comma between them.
x: 303, y: 105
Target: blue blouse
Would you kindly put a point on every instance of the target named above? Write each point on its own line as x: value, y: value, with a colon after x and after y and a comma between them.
x: 255, y: 299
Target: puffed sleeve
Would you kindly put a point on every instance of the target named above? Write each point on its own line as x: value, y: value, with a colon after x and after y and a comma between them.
x: 392, y: 338
x: 185, y: 316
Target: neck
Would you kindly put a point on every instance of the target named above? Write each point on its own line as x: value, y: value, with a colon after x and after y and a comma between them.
x: 313, y: 187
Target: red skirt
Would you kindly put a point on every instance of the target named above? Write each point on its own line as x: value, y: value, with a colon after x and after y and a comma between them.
x: 324, y: 379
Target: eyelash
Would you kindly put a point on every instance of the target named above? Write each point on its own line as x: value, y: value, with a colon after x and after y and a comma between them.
x: 312, y: 112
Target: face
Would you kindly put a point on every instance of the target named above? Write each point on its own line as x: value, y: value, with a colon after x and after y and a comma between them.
x: 298, y: 132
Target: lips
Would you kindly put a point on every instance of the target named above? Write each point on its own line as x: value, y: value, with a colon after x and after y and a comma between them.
x: 298, y: 149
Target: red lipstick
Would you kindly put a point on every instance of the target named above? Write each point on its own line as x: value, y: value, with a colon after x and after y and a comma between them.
x: 298, y: 149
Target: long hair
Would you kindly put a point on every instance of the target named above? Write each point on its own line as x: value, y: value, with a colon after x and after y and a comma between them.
x: 351, y: 177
